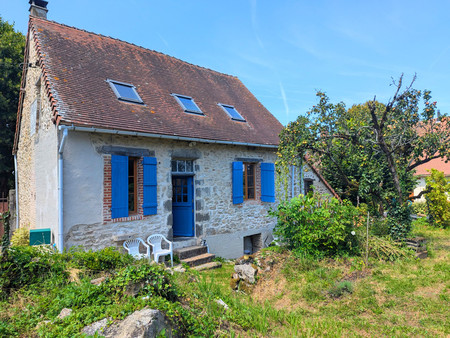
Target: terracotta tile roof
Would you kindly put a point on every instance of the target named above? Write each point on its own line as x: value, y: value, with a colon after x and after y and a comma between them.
x: 437, y: 163
x: 77, y: 64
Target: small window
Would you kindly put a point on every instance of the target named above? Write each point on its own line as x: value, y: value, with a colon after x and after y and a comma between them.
x: 188, y: 104
x: 249, y: 181
x: 182, y: 166
x: 234, y: 114
x: 308, y: 185
x: 125, y: 91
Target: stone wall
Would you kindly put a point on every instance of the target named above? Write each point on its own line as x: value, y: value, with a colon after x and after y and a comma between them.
x: 38, y: 139
x: 308, y: 174
x: 86, y: 219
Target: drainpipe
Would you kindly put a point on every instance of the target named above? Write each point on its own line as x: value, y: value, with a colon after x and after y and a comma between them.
x: 61, y: 193
x: 16, y: 185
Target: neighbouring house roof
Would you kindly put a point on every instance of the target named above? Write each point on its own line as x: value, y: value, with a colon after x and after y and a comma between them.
x: 437, y: 163
x: 77, y: 64
x: 318, y: 174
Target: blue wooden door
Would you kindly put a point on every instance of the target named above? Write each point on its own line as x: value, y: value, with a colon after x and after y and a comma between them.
x: 183, y: 206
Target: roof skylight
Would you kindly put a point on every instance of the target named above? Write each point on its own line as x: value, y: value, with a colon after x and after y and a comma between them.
x: 234, y: 114
x: 188, y: 104
x: 125, y: 91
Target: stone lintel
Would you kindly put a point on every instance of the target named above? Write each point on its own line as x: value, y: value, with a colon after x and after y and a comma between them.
x: 125, y: 151
x: 248, y: 159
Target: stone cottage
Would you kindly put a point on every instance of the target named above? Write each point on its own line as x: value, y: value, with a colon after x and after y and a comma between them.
x: 114, y: 140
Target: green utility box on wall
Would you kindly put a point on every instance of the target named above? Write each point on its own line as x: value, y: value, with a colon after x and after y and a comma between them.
x: 40, y: 236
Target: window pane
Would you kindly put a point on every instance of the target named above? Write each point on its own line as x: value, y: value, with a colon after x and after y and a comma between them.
x: 233, y: 113
x: 125, y: 92
x: 251, y: 193
x: 189, y: 104
x: 249, y: 180
x: 181, y: 166
x: 189, y: 168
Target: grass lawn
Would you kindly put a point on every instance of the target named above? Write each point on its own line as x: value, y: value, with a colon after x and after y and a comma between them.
x: 292, y: 297
x: 297, y: 297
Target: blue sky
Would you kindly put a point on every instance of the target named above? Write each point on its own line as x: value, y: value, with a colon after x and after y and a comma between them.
x: 282, y: 50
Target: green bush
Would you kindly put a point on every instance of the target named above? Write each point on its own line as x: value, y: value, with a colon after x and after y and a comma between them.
x: 399, y: 220
x: 154, y: 278
x: 341, y: 288
x: 27, y: 265
x: 103, y: 260
x: 316, y: 225
x: 420, y: 208
x: 437, y: 199
x: 20, y: 237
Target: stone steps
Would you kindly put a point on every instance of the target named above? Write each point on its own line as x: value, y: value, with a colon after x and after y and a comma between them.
x: 196, y: 255
x: 199, y: 260
x: 208, y: 266
x: 190, y: 251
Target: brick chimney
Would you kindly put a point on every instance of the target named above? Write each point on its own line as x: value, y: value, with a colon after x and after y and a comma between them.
x: 38, y: 8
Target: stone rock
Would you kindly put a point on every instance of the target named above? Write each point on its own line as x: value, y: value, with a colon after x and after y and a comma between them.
x: 221, y: 302
x: 96, y: 328
x: 64, y: 313
x: 98, y: 281
x: 234, y: 283
x: 43, y: 323
x: 246, y: 259
x: 132, y: 289
x: 143, y: 323
x: 179, y: 268
x: 246, y: 272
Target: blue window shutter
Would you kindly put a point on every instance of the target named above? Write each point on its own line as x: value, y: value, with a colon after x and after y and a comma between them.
x: 150, y: 184
x: 238, y: 183
x: 119, y: 186
x: 267, y: 182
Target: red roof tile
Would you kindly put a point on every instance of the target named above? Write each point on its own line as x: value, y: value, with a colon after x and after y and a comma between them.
x: 437, y: 163
x: 78, y: 63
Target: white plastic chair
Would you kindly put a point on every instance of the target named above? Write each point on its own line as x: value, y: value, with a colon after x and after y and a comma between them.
x: 132, y: 246
x: 155, y: 241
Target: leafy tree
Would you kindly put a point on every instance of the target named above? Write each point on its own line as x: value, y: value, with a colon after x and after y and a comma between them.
x: 12, y: 46
x: 370, y: 151
x: 437, y: 199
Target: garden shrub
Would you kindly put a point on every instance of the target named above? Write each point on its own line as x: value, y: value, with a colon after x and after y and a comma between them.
x: 154, y: 278
x: 399, y: 220
x: 102, y: 260
x: 437, y: 199
x: 20, y: 237
x: 316, y: 225
x: 420, y: 208
x: 27, y: 265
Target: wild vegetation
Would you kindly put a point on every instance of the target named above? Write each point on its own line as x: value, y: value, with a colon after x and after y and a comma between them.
x: 437, y: 199
x: 295, y: 295
x: 12, y: 46
x: 369, y: 152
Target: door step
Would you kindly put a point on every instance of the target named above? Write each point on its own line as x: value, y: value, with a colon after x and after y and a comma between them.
x: 208, y: 266
x: 194, y: 255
